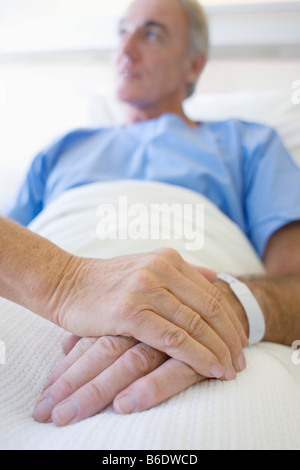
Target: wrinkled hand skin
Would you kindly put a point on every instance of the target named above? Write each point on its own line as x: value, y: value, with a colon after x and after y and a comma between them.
x: 158, y: 299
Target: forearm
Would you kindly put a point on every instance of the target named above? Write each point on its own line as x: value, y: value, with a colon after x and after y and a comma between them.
x: 31, y: 268
x: 279, y: 299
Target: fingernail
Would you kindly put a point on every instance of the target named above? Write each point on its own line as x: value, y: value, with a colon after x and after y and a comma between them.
x: 231, y: 374
x: 125, y: 405
x: 217, y: 371
x: 242, y: 362
x: 45, y: 392
x: 43, y: 410
x: 66, y: 413
x: 47, y: 386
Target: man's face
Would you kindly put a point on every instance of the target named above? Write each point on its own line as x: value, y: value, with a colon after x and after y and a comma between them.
x: 151, y: 59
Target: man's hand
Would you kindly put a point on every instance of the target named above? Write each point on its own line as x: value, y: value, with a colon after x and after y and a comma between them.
x: 97, y: 372
x: 158, y: 299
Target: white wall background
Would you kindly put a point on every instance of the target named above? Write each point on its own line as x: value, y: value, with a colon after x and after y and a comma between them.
x: 31, y: 25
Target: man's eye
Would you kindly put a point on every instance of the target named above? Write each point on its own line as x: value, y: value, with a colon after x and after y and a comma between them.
x: 151, y: 35
x: 121, y: 32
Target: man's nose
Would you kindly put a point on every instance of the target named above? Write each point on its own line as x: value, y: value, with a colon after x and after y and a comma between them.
x: 129, y: 46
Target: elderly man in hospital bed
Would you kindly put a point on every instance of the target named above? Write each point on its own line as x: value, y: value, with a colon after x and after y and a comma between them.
x: 155, y: 324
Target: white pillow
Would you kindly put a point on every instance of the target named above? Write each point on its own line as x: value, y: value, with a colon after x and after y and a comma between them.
x: 273, y: 108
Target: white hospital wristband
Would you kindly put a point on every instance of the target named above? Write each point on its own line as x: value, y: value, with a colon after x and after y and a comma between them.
x: 257, y: 325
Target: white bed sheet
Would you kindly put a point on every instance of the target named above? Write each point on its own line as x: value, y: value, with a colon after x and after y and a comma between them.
x: 260, y: 410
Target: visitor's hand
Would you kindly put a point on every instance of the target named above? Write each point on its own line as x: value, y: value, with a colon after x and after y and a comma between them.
x: 158, y: 299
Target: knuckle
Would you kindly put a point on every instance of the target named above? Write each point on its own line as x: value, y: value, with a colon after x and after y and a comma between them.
x: 169, y: 253
x: 197, y: 326
x: 108, y: 345
x: 218, y: 295
x: 174, y: 338
x: 84, y: 344
x: 142, y: 280
x: 139, y: 358
x: 175, y: 257
x: 180, y: 313
x: 155, y: 392
x: 65, y: 385
x: 215, y: 292
x: 214, y: 309
x: 156, y: 263
x: 96, y: 392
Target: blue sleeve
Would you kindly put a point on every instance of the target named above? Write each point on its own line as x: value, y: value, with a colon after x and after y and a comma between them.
x: 32, y: 195
x: 29, y: 200
x: 272, y: 186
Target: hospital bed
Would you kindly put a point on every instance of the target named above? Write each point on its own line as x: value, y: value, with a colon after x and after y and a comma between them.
x: 260, y: 410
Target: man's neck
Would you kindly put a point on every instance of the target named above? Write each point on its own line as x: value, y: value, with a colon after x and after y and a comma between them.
x: 139, y: 114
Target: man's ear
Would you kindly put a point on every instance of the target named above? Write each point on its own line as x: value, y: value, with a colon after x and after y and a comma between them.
x: 196, y: 66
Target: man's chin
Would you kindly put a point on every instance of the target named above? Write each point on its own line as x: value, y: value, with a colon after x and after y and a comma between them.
x: 132, y: 100
x: 126, y: 96
x: 131, y: 94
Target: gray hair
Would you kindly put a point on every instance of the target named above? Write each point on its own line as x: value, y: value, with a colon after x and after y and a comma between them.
x: 199, y: 33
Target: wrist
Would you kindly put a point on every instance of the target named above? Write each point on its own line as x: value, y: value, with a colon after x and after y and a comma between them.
x: 31, y: 269
x: 63, y: 276
x: 269, y: 301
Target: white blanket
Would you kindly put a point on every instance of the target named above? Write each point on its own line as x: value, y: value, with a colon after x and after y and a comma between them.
x: 260, y: 410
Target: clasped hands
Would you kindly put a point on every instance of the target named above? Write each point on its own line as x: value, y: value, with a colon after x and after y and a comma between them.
x: 145, y: 327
